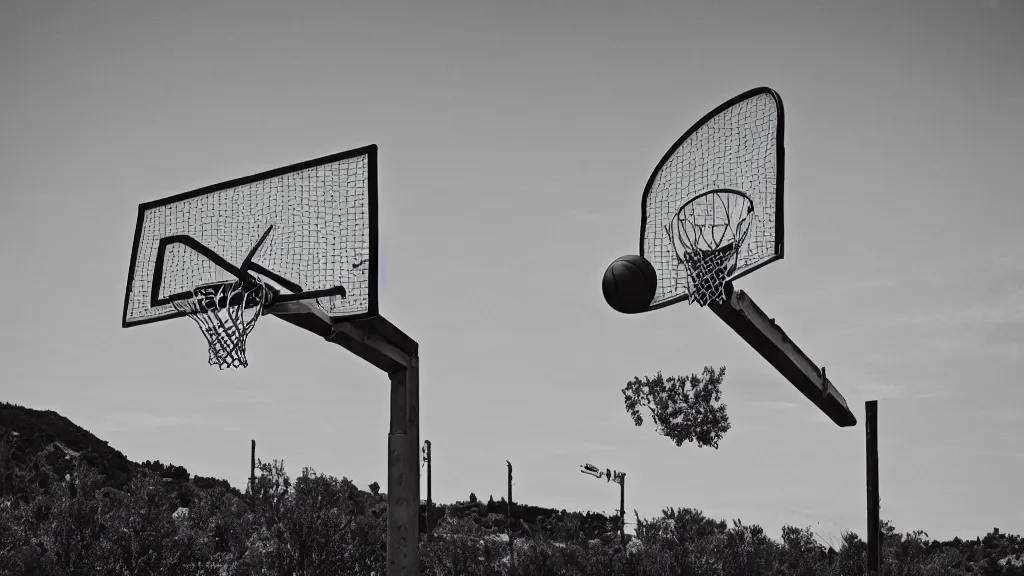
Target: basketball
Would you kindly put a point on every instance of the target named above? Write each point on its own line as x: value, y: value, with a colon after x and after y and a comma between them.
x: 629, y: 284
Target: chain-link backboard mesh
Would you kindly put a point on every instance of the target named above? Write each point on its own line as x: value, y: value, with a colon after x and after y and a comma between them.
x: 739, y: 147
x: 323, y: 236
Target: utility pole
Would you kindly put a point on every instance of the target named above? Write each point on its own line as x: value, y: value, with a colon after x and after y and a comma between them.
x: 426, y: 460
x: 874, y: 525
x: 252, y: 471
x: 511, y: 549
x: 619, y: 478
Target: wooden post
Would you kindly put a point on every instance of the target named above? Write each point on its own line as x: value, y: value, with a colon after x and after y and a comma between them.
x: 511, y: 548
x: 252, y: 471
x: 874, y: 527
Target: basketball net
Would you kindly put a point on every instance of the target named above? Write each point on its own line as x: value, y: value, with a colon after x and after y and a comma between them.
x: 707, y: 234
x: 226, y: 312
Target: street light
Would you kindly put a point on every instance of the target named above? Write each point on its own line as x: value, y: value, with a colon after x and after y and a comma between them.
x: 620, y: 479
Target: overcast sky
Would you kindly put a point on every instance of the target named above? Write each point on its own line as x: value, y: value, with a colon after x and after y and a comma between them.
x: 515, y: 140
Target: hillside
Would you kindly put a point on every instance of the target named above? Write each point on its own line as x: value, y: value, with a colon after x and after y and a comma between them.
x: 27, y: 435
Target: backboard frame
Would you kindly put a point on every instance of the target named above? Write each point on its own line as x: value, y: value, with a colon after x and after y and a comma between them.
x: 780, y: 160
x: 372, y: 310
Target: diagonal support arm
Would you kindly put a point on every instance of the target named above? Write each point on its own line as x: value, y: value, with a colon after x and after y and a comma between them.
x: 765, y: 336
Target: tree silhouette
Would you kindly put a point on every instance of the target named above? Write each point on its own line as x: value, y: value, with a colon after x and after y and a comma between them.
x: 683, y: 408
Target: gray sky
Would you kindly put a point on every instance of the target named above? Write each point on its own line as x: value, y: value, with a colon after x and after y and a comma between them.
x: 515, y: 140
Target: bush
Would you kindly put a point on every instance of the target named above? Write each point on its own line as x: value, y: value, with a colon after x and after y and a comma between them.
x: 163, y: 523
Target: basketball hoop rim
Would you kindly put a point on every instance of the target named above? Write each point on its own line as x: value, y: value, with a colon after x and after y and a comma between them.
x: 750, y: 201
x: 270, y: 293
x: 716, y: 191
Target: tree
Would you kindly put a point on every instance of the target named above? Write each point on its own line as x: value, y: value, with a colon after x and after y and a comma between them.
x: 683, y: 408
x: 800, y: 553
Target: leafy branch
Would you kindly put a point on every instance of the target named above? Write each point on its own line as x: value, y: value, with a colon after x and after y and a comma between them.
x: 683, y: 408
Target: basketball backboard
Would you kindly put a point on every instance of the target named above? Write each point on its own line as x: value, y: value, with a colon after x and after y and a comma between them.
x: 298, y: 243
x: 735, y: 151
x: 712, y: 213
x: 321, y: 246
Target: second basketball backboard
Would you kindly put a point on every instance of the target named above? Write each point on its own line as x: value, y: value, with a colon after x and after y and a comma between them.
x: 737, y: 147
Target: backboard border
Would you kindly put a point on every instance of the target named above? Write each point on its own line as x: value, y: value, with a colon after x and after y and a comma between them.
x: 370, y: 151
x: 780, y: 156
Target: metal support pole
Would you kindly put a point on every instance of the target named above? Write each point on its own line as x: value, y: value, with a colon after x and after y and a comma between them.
x: 874, y: 526
x: 404, y: 472
x: 383, y: 345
